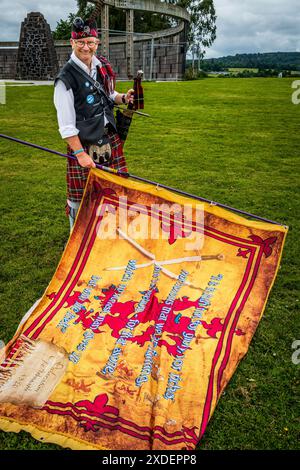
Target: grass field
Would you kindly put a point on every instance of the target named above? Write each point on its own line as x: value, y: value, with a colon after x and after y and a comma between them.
x: 232, y: 141
x: 237, y: 69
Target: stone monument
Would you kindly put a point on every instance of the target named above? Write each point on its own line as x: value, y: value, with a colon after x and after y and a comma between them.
x: 37, y: 58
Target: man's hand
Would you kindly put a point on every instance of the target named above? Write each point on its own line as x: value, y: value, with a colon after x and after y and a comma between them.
x: 85, y: 160
x: 130, y: 96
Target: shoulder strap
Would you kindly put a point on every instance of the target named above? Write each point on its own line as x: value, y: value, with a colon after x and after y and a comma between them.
x: 97, y: 86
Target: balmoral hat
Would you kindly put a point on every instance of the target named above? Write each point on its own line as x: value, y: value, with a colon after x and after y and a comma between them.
x: 84, y: 28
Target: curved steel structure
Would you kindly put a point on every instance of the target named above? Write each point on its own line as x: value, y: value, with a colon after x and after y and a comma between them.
x: 155, y: 6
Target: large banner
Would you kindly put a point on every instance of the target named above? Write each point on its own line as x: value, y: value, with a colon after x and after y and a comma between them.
x: 154, y: 303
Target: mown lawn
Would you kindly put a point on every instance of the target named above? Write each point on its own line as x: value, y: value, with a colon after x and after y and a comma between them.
x: 233, y: 141
x: 242, y: 69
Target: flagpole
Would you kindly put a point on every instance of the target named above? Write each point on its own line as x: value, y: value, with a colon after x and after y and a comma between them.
x: 144, y: 180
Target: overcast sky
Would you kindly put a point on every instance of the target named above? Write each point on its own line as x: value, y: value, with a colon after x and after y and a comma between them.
x: 243, y: 25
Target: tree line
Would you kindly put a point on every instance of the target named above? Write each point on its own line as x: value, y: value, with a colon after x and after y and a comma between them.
x: 276, y: 61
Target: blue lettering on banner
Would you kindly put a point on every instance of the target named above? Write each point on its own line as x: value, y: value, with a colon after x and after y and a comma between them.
x: 166, y: 309
x: 130, y: 326
x: 203, y: 303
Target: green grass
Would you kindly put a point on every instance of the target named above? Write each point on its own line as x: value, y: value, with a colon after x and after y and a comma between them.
x: 233, y: 141
x: 242, y: 69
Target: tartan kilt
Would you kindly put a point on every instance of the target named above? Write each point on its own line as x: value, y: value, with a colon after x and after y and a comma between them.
x: 77, y: 175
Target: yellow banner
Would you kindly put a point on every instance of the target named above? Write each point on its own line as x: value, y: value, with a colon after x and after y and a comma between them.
x: 153, y: 305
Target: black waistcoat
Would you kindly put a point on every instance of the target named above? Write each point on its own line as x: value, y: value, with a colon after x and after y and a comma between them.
x: 90, y: 106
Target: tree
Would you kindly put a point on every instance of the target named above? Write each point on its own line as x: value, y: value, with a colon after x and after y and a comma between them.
x: 64, y: 27
x: 202, y: 30
x: 146, y: 22
x: 203, y: 24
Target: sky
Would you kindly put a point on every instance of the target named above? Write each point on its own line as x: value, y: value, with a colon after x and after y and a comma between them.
x: 243, y: 26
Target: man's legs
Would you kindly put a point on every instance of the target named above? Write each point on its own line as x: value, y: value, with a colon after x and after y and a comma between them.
x: 73, y: 209
x: 76, y: 180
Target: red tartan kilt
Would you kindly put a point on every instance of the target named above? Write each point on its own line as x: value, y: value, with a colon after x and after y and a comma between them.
x: 77, y: 176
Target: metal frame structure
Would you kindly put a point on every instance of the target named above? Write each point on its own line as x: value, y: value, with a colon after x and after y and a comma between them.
x: 154, y: 6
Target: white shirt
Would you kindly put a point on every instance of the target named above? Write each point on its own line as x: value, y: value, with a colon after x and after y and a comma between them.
x: 64, y: 100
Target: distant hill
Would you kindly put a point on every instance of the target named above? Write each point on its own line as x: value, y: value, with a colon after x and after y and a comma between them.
x: 270, y: 60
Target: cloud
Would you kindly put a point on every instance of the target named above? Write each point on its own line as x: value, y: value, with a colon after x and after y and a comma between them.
x: 13, y: 13
x: 256, y: 26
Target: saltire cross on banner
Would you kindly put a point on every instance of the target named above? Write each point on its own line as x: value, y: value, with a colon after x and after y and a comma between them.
x: 154, y: 303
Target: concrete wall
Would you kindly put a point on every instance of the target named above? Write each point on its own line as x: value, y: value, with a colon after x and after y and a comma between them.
x: 8, y: 60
